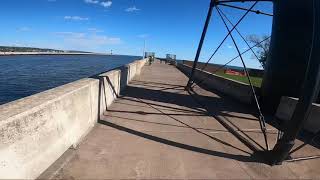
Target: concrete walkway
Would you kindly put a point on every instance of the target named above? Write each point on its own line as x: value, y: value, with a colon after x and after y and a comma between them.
x: 156, y: 130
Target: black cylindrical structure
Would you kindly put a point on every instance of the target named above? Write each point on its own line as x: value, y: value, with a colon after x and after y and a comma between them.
x: 310, y: 90
x: 289, y: 51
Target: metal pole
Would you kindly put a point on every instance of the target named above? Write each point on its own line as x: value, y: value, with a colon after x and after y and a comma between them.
x: 144, y: 48
x: 309, y: 93
x: 204, y: 32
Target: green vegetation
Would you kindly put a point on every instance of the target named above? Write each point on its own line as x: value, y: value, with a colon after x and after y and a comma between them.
x: 256, y: 81
x: 32, y: 49
x: 262, y: 47
x: 25, y: 49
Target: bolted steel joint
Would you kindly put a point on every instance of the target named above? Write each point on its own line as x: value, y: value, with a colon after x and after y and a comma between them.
x: 214, y: 2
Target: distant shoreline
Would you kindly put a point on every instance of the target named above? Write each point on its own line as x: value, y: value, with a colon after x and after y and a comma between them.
x: 48, y: 53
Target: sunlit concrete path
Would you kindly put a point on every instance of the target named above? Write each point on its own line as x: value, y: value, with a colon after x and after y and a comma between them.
x: 157, y: 130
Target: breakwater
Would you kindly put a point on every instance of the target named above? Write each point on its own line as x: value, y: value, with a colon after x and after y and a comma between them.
x: 35, y: 131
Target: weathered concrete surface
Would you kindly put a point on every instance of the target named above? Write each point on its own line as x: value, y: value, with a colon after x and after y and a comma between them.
x: 35, y: 131
x: 287, y: 106
x: 156, y: 130
x: 237, y: 90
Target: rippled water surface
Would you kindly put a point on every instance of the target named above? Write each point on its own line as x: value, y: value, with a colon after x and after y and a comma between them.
x: 22, y: 76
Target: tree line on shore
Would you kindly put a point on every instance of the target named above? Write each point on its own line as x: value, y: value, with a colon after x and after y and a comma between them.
x: 33, y: 49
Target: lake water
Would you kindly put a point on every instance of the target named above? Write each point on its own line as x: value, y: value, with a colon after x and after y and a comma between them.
x: 22, y: 76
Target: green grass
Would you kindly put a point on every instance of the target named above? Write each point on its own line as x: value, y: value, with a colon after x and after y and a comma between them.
x: 256, y: 81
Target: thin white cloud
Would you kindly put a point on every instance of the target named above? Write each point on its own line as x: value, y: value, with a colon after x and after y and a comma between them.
x: 91, y: 1
x: 92, y: 42
x: 78, y: 40
x: 143, y: 36
x: 229, y: 46
x: 76, y: 18
x: 24, y: 29
x: 132, y: 9
x: 19, y: 44
x: 95, y: 30
x: 70, y: 34
x: 106, y: 4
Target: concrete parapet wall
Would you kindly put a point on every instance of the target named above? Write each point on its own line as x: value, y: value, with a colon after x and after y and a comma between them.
x: 35, y: 131
x: 129, y: 71
x: 140, y: 64
x: 286, y: 108
x: 109, y: 88
x: 237, y: 90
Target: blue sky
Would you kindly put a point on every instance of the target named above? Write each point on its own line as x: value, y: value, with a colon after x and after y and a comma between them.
x: 168, y: 26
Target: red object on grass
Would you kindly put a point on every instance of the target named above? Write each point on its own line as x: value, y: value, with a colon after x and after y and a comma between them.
x: 231, y: 72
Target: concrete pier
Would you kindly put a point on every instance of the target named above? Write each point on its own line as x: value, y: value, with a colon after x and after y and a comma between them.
x: 36, y: 130
x: 157, y: 130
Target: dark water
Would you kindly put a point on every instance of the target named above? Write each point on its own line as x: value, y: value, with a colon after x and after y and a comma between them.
x: 22, y: 76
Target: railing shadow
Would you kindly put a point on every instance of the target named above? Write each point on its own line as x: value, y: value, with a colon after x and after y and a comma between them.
x: 136, y: 94
x: 172, y: 125
x: 184, y: 101
x: 125, y: 71
x: 175, y: 109
x: 180, y: 145
x: 164, y: 99
x: 234, y: 131
x: 103, y: 79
